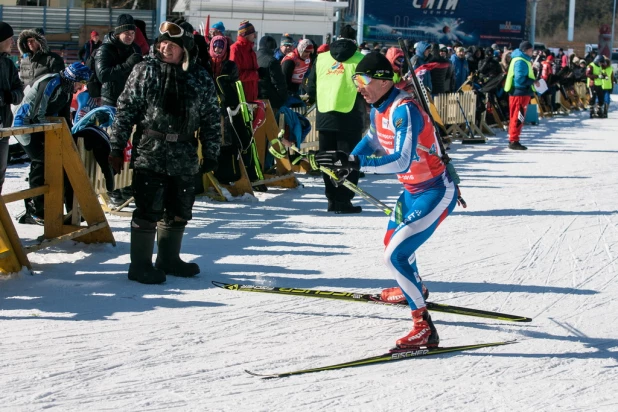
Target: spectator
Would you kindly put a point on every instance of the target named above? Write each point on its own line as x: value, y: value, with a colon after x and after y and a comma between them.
x: 49, y: 95
x: 11, y: 92
x: 36, y: 58
x: 90, y: 46
x: 489, y: 67
x: 217, y: 29
x: 141, y: 38
x: 245, y: 58
x: 286, y: 46
x: 272, y: 85
x: 441, y: 71
x: 340, y: 110
x: 547, y: 74
x: 520, y: 82
x: 460, y: 67
x: 323, y: 48
x: 295, y: 65
x: 116, y: 59
x: 562, y: 59
x: 420, y: 58
x: 595, y: 74
x: 506, y: 61
x: 175, y: 100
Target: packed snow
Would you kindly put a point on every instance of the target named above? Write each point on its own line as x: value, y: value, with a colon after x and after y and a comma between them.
x: 539, y: 238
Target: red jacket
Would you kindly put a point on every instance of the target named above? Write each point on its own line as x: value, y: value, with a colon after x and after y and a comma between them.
x: 241, y: 53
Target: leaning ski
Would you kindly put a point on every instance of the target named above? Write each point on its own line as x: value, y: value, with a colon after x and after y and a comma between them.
x: 391, y: 356
x: 372, y: 299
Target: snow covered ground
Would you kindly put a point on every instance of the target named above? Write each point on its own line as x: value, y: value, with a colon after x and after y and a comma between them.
x: 539, y: 238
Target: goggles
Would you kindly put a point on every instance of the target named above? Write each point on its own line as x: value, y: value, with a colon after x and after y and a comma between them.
x: 361, y: 80
x: 171, y: 29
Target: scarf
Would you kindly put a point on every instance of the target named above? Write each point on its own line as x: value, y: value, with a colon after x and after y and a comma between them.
x: 172, y: 99
x: 222, y: 57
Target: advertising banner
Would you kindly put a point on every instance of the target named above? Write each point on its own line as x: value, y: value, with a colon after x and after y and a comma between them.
x: 470, y: 22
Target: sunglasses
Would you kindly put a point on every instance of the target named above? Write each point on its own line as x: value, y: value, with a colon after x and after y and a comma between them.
x: 361, y: 80
x: 172, y: 29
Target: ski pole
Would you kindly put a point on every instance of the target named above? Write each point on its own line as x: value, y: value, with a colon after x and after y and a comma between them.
x: 331, y: 173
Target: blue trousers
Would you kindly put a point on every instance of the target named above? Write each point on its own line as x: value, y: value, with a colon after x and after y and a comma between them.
x: 413, y: 221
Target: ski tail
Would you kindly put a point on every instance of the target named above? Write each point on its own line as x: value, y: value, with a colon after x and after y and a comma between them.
x: 457, y: 310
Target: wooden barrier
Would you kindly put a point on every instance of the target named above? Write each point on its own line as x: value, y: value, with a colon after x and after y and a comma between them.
x: 455, y: 117
x: 60, y: 155
x: 267, y: 132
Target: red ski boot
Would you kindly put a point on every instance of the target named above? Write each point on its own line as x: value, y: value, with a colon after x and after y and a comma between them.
x: 395, y: 295
x: 423, y: 333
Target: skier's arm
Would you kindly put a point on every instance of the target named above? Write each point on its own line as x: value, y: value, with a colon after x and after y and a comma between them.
x: 408, y: 121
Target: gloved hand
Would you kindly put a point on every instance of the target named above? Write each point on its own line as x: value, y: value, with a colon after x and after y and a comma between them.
x: 116, y: 162
x: 134, y: 59
x: 208, y: 165
x: 335, y: 160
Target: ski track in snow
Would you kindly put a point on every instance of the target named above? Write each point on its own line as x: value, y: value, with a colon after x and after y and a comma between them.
x: 539, y: 238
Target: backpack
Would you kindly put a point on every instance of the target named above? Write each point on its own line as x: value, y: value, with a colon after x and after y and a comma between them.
x: 94, y: 85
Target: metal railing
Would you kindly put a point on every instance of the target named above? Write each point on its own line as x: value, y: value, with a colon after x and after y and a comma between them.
x: 69, y: 20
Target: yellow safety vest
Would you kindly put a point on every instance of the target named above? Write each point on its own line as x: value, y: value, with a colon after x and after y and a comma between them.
x: 596, y: 70
x: 508, y: 85
x: 335, y: 89
x: 607, y: 82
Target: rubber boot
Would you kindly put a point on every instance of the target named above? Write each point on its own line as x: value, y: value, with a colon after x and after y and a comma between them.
x: 169, y: 240
x: 141, y: 269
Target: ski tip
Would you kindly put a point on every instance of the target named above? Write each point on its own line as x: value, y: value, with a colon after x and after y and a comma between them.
x: 263, y: 376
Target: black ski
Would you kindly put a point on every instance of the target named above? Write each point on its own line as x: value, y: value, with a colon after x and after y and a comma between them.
x: 370, y: 298
x: 391, y: 356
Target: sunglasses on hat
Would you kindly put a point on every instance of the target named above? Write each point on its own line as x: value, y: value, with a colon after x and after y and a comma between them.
x: 172, y: 29
x: 361, y: 80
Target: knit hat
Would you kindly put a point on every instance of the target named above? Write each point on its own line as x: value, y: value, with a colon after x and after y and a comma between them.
x: 525, y: 45
x: 495, y: 46
x: 125, y: 23
x: 245, y: 28
x: 93, y: 34
x: 376, y: 65
x: 218, y: 26
x: 77, y: 72
x: 304, y: 45
x: 6, y: 31
x: 347, y: 32
x: 286, y: 40
x: 323, y: 48
x: 186, y: 41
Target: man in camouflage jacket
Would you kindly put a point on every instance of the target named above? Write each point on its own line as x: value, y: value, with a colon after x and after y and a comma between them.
x: 173, y: 99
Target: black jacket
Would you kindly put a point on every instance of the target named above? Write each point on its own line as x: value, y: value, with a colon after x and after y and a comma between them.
x: 44, y: 61
x: 442, y: 77
x: 86, y: 51
x: 341, y: 50
x: 271, y: 85
x: 490, y: 67
x: 112, y: 67
x: 11, y: 89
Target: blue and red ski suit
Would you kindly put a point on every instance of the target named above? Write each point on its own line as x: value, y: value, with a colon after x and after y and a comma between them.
x: 402, y: 140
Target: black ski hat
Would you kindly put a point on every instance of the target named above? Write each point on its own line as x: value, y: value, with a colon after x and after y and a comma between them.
x: 376, y: 65
x: 125, y: 23
x: 6, y: 31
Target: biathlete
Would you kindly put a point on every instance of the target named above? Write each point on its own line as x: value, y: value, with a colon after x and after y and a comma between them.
x: 401, y: 140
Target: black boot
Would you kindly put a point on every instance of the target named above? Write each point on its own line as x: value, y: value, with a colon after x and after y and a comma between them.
x: 345, y: 207
x: 169, y: 240
x: 141, y: 269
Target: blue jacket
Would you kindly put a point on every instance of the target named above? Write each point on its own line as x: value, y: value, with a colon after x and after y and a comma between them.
x: 522, y: 84
x: 460, y: 66
x: 420, y: 60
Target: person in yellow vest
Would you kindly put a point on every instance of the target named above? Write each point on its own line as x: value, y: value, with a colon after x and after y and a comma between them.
x: 520, y: 82
x: 594, y: 72
x: 340, y: 110
x: 607, y: 84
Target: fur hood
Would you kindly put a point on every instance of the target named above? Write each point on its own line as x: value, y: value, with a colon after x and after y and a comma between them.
x: 22, y: 44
